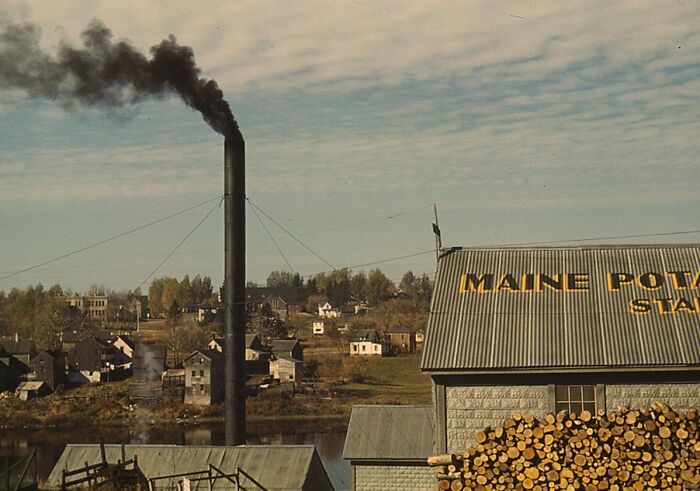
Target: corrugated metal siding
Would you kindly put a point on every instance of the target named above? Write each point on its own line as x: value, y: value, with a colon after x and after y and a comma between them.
x: 390, y: 432
x: 549, y: 330
x: 278, y: 468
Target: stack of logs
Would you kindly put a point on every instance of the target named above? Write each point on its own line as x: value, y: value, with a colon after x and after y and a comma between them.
x: 625, y: 450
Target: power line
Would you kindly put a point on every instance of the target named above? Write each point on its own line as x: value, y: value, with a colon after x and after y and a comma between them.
x: 273, y: 240
x: 217, y: 205
x: 104, y: 241
x: 397, y: 258
x: 660, y: 234
x: 291, y: 235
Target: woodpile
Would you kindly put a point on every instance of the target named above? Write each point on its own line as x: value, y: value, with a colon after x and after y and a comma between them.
x: 623, y: 450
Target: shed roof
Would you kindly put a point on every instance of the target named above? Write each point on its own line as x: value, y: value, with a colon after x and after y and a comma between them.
x: 594, y: 326
x: 390, y: 433
x: 277, y: 468
x: 30, y: 385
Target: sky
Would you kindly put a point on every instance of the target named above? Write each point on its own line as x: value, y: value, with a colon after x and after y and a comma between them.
x: 523, y: 122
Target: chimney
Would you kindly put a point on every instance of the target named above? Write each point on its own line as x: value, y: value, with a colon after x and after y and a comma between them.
x: 234, y: 288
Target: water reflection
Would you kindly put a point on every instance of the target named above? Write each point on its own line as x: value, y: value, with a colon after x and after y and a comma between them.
x: 51, y: 442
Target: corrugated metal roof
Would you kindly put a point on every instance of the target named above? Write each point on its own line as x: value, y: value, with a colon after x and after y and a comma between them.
x: 278, y: 468
x: 389, y: 433
x: 513, y: 330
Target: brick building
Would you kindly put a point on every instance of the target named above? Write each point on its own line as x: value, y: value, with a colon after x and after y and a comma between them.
x: 539, y: 330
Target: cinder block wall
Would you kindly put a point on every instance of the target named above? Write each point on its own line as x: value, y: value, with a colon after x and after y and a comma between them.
x: 678, y: 396
x: 470, y: 409
x: 394, y: 477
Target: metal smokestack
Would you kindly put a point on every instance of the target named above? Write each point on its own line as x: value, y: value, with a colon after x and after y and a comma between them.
x: 234, y: 287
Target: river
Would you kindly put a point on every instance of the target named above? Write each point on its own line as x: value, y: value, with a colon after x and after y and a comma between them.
x: 51, y: 442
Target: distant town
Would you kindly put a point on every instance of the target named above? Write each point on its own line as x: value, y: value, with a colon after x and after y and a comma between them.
x: 315, y: 342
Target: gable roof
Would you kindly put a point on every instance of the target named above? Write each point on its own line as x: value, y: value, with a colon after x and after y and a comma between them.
x: 261, y: 294
x: 212, y: 354
x: 22, y: 347
x: 50, y: 353
x: 390, y: 433
x: 591, y: 325
x: 283, y: 344
x: 276, y: 467
x: 251, y: 341
x: 125, y: 338
x: 370, y: 335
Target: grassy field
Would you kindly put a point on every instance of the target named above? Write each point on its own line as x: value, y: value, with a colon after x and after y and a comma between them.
x: 395, y: 380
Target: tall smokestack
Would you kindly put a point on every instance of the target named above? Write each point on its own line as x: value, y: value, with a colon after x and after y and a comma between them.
x: 234, y: 287
x: 111, y: 75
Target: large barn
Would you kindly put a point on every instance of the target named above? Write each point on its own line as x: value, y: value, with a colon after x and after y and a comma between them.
x: 546, y: 329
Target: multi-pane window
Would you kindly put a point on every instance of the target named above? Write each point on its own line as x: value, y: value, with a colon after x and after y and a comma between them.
x: 575, y: 398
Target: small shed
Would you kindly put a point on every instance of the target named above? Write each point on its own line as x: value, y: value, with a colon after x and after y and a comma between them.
x: 287, y: 369
x: 31, y: 389
x: 204, y: 377
x: 318, y: 328
x: 275, y: 467
x: 388, y: 448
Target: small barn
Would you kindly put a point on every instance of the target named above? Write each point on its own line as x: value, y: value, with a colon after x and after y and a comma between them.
x: 540, y: 330
x: 274, y: 467
x: 318, y: 328
x: 49, y: 367
x: 204, y: 377
x: 388, y: 448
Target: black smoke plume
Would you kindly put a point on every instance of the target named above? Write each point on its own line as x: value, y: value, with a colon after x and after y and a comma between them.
x: 109, y: 74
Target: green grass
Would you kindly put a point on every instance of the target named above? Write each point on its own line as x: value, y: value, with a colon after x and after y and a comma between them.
x: 395, y: 379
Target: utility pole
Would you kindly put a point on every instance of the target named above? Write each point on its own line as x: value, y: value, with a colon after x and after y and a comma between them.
x: 438, y: 235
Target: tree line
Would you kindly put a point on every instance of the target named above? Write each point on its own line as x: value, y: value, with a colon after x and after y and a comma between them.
x: 342, y: 286
x: 167, y: 296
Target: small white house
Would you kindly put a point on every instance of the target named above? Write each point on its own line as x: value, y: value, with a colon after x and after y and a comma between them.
x: 327, y: 311
x: 318, y: 328
x: 366, y: 342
